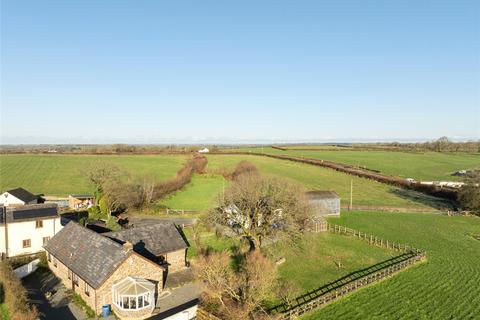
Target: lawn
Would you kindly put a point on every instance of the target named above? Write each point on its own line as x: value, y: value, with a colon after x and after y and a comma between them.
x: 61, y: 175
x: 200, y: 194
x: 314, y: 261
x: 210, y: 241
x: 428, y: 166
x: 446, y: 287
x: 365, y: 192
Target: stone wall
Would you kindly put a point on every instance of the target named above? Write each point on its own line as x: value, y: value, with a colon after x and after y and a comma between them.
x: 135, y: 265
x: 61, y: 272
x: 176, y: 260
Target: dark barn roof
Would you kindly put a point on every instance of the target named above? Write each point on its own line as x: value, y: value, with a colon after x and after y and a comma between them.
x: 320, y: 194
x: 22, y: 194
x: 88, y: 254
x: 28, y: 213
x: 157, y: 239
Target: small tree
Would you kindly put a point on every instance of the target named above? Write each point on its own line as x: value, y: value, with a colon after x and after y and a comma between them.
x: 262, y: 208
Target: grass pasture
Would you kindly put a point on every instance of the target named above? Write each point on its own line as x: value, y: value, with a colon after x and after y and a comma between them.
x: 200, y: 194
x: 61, y: 175
x: 445, y: 287
x: 313, y: 261
x: 427, y: 166
x: 365, y: 192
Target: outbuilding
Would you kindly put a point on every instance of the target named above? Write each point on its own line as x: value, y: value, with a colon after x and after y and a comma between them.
x: 324, y: 203
x: 18, y: 197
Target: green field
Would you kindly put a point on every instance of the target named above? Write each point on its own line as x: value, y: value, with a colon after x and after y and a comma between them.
x: 64, y: 174
x: 312, y: 263
x: 428, y: 166
x: 200, y: 194
x: 61, y: 175
x: 446, y: 287
x: 365, y: 192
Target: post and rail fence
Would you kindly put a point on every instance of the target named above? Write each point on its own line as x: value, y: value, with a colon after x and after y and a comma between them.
x: 332, y: 291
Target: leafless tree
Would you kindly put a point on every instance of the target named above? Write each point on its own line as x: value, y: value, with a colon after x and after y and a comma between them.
x: 262, y: 208
x: 238, y: 293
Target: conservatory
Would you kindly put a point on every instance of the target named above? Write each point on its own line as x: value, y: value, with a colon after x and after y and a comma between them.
x: 134, y: 295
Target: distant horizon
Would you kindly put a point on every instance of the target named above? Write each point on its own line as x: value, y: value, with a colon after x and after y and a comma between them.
x: 232, y: 141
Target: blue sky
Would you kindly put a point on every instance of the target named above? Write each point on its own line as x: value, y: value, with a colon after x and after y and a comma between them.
x: 158, y: 71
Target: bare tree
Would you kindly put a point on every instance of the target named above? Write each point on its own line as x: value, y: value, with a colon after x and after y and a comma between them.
x: 239, y: 293
x: 262, y: 208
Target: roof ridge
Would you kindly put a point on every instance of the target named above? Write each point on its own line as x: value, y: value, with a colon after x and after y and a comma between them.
x: 95, y: 233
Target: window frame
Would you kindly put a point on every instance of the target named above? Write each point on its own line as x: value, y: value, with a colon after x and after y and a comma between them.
x: 38, y: 224
x: 87, y: 289
x: 26, y: 243
x: 45, y: 242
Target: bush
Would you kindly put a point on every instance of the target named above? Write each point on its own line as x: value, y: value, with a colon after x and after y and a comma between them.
x: 95, y: 213
x: 103, y: 206
x: 112, y: 224
x: 14, y: 295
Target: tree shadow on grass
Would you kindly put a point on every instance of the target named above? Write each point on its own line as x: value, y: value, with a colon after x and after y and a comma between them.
x: 420, y: 198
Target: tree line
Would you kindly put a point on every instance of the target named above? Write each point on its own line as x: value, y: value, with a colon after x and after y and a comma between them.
x: 116, y: 190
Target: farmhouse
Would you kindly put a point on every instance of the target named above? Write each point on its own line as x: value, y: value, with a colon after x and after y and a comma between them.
x: 324, y: 203
x: 126, y: 270
x: 26, y: 229
x: 17, y: 197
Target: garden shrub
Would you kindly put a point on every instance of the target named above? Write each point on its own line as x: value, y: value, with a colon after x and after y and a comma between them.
x: 14, y: 295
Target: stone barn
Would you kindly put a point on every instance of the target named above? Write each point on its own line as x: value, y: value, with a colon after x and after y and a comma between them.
x: 325, y: 203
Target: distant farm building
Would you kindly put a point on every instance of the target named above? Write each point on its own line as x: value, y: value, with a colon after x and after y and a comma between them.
x: 204, y: 150
x: 80, y: 201
x: 324, y: 203
x: 18, y: 197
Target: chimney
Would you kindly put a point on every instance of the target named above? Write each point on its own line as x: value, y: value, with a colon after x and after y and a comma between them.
x: 127, y: 246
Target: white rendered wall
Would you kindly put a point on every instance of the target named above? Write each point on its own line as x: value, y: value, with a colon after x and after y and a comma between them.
x: 7, y: 199
x: 2, y: 239
x: 19, y: 231
x: 186, y: 314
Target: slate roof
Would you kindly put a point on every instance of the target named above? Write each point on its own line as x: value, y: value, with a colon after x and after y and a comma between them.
x: 321, y: 194
x: 28, y: 213
x: 156, y: 239
x: 22, y: 194
x: 88, y: 254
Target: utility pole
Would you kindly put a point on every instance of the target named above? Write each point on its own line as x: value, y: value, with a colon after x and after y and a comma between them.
x: 351, y: 195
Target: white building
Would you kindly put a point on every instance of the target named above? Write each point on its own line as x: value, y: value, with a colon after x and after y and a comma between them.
x: 26, y: 229
x: 17, y: 197
x: 204, y: 150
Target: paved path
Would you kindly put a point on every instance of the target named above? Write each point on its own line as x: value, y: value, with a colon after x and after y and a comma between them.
x: 58, y: 305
